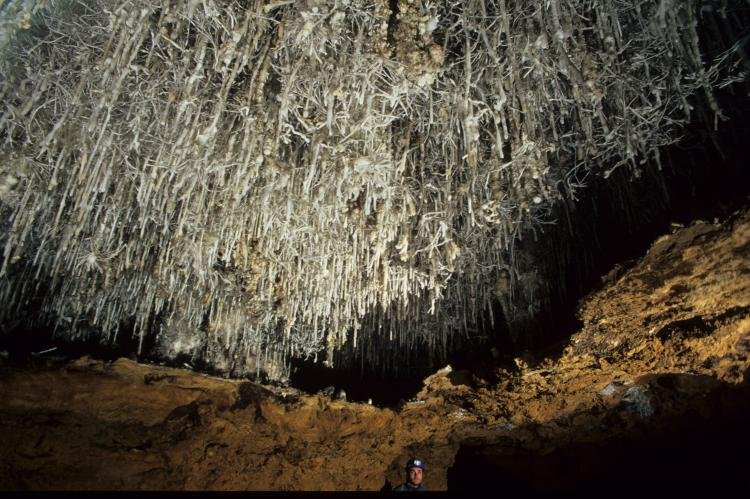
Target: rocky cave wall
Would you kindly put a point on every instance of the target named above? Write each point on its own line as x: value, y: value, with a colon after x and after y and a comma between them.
x: 353, y: 181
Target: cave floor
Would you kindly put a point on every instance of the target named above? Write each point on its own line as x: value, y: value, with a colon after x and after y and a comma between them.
x: 652, y: 389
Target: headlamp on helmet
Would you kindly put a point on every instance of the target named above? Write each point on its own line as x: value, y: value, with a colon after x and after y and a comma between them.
x: 415, y: 463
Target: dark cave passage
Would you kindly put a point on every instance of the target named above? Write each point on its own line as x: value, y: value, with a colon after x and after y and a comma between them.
x: 697, y: 455
x: 382, y: 391
x: 706, y: 461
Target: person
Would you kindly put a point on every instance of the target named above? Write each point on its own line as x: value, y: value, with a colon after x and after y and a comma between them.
x: 414, y: 477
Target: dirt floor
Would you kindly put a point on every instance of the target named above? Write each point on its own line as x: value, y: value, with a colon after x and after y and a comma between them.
x: 653, y: 387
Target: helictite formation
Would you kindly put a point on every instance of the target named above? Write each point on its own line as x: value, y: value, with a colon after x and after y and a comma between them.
x: 253, y: 181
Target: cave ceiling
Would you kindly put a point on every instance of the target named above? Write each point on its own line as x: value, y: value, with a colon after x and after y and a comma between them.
x: 248, y: 182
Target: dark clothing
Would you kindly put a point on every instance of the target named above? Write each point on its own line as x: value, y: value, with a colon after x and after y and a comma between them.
x: 407, y: 487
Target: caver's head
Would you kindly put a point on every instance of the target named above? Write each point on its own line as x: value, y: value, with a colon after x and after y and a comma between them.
x: 415, y: 471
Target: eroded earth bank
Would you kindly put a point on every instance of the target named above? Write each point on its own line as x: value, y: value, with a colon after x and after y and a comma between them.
x: 651, y: 392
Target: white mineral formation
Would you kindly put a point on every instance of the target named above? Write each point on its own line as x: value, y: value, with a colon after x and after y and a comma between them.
x: 253, y: 181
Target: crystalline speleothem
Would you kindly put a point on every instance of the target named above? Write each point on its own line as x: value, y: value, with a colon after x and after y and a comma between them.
x: 266, y: 179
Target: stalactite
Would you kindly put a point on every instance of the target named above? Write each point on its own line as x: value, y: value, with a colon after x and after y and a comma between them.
x: 315, y: 181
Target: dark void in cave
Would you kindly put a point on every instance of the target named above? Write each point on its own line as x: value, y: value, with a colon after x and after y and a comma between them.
x: 693, y: 456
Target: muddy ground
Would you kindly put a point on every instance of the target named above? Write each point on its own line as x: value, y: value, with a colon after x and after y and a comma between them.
x: 652, y: 392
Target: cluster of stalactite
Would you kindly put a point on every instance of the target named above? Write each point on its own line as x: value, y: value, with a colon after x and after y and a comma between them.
x: 251, y: 181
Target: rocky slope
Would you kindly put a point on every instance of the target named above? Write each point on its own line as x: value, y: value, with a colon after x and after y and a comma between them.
x: 654, y: 383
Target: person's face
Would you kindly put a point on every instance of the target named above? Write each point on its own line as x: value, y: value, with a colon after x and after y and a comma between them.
x: 415, y: 476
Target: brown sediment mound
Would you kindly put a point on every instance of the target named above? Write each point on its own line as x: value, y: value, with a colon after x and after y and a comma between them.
x: 665, y: 343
